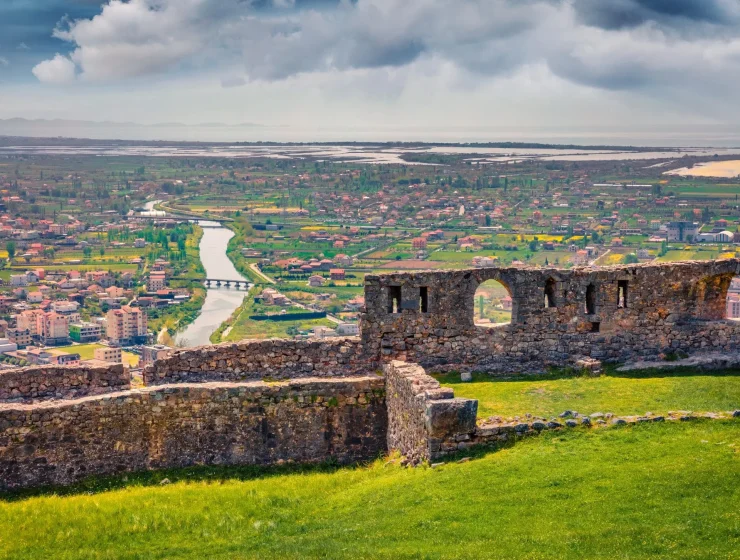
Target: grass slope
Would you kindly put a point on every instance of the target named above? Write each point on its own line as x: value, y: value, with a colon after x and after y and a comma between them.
x: 637, y: 394
x: 648, y: 491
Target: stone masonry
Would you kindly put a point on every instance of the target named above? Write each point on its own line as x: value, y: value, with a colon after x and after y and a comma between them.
x: 271, y: 401
x: 258, y: 359
x: 307, y: 420
x: 61, y: 382
x: 427, y: 317
x: 425, y: 421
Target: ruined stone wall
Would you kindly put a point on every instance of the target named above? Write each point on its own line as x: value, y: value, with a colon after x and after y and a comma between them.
x: 425, y: 421
x: 60, y: 382
x: 670, y: 307
x: 310, y: 420
x: 258, y: 359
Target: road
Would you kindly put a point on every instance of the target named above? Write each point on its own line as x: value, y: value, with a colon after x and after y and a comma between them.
x: 262, y: 275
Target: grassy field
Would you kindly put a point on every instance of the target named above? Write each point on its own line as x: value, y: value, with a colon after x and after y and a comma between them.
x: 620, y: 395
x: 87, y: 352
x: 648, y: 491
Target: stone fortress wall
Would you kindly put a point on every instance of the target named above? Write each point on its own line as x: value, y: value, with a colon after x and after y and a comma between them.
x: 351, y: 399
x: 613, y: 314
x: 29, y: 384
x: 59, y: 442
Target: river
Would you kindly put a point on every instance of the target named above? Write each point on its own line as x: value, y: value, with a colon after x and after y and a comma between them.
x: 220, y: 302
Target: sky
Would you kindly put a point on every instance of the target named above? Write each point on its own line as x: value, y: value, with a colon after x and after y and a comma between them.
x: 373, y: 64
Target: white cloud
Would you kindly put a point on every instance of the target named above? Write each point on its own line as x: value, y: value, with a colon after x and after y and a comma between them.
x: 4, y: 61
x: 642, y: 47
x: 58, y: 70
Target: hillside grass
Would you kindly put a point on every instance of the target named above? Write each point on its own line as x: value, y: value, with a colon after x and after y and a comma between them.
x: 628, y: 393
x: 649, y: 491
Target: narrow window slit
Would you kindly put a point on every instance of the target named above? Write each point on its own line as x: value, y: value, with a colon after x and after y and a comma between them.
x: 550, y: 293
x: 424, y: 299
x: 590, y: 299
x: 622, y: 293
x: 394, y: 299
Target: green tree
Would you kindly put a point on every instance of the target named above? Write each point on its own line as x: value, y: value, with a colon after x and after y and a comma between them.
x: 10, y: 247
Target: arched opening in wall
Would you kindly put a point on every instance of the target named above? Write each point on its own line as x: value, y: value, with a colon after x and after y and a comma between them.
x: 493, y: 304
x: 732, y: 304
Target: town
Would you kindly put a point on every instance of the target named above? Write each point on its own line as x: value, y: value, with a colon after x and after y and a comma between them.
x: 101, y: 257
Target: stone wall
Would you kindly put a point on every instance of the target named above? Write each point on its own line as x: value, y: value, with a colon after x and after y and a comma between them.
x: 310, y: 420
x: 670, y: 307
x: 425, y: 421
x: 59, y: 382
x: 258, y: 359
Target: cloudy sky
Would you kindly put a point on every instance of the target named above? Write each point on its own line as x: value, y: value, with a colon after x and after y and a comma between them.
x: 373, y: 63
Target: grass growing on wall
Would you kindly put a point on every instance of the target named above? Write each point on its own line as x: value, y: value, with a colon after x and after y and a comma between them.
x: 643, y: 492
x: 640, y: 393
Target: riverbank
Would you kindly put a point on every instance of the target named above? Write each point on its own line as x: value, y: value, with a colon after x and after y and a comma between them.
x: 220, y: 302
x: 175, y: 318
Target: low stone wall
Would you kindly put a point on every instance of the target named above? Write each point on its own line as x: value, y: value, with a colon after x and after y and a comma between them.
x: 425, y: 421
x: 258, y: 359
x: 311, y: 420
x: 61, y: 382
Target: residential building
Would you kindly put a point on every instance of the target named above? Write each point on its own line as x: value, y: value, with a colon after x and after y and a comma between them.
x: 7, y: 346
x: 111, y: 354
x: 27, y: 321
x: 733, y: 306
x: 127, y: 325
x: 21, y: 338
x: 150, y: 354
x: 348, y: 329
x: 682, y: 231
x: 337, y: 274
x: 156, y: 281
x: 85, y: 332
x: 18, y: 280
x: 52, y: 329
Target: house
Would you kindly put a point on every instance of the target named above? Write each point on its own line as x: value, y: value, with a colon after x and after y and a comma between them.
x: 156, y: 281
x: 316, y: 281
x: 19, y: 337
x: 18, y: 280
x: 343, y: 260
x: 348, y: 329
x: 150, y: 354
x: 337, y: 274
x: 35, y: 297
x: 111, y: 354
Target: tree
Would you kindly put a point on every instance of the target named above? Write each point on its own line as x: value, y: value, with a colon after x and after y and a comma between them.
x: 10, y: 247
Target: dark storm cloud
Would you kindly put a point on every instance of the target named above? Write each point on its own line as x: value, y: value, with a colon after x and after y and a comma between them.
x: 619, y: 14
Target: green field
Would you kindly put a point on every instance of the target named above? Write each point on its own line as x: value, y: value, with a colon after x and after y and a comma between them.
x: 628, y: 394
x: 643, y: 492
x: 87, y: 352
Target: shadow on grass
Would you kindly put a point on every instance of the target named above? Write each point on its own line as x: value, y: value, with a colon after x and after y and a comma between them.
x: 609, y: 371
x: 201, y: 473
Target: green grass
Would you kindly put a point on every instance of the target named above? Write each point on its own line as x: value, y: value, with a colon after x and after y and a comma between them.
x: 87, y: 352
x: 635, y: 394
x: 649, y: 491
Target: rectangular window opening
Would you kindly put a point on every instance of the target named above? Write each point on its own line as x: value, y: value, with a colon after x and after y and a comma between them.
x: 394, y: 299
x: 424, y: 299
x: 622, y: 293
x: 595, y: 327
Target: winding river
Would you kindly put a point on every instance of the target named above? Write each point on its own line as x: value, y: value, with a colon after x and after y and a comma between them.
x: 220, y: 302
